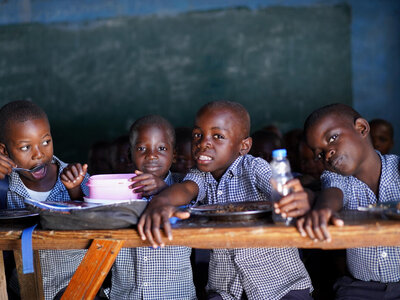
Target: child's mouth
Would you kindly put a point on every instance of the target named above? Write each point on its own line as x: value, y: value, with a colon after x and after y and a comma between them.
x: 39, y: 174
x: 204, y: 159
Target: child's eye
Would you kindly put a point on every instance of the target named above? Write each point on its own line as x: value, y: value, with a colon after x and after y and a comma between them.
x: 140, y: 148
x: 45, y: 143
x: 24, y: 148
x: 218, y: 136
x: 162, y: 148
x: 320, y: 156
x: 333, y: 138
x: 196, y: 135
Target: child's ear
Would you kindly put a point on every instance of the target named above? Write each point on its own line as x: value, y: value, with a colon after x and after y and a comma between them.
x: 3, y: 149
x: 362, y: 126
x: 245, y: 146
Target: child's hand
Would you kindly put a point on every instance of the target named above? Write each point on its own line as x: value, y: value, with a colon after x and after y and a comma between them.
x: 147, y: 184
x: 73, y: 175
x: 6, y: 165
x: 296, y: 203
x: 315, y: 224
x: 155, y: 217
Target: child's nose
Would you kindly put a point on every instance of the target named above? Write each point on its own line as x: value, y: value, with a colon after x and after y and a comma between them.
x: 37, y: 153
x: 151, y: 155
x: 204, y: 143
x: 329, y: 154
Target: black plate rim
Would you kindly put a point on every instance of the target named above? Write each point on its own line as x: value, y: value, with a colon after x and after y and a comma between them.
x: 27, y: 214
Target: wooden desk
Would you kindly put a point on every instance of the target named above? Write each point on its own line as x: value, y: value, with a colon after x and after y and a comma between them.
x: 360, y: 230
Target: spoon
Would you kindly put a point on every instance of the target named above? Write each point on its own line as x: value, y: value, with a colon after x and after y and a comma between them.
x: 37, y: 168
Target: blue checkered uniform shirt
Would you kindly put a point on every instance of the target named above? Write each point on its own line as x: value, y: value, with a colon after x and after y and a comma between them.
x: 373, y: 263
x: 57, y: 266
x: 147, y: 273
x: 263, y: 273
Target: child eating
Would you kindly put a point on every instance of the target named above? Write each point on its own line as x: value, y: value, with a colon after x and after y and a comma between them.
x: 26, y: 142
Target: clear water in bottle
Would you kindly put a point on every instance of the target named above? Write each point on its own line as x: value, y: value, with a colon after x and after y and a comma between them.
x: 281, y: 173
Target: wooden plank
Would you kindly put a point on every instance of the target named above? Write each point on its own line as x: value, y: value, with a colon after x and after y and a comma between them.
x: 3, y: 281
x: 93, y: 269
x: 30, y: 285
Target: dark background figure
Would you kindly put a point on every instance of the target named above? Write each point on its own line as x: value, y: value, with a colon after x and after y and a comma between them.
x: 382, y: 135
x: 264, y: 142
x: 120, y: 158
x: 291, y: 141
x: 183, y: 160
x: 99, y: 158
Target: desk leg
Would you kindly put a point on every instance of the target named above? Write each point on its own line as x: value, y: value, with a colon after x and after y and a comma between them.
x: 93, y: 270
x: 3, y: 282
x: 30, y: 285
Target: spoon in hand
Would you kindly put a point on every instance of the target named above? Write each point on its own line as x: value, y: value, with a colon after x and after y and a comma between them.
x: 37, y: 168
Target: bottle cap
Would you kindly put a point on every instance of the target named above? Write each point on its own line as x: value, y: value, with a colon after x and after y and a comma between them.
x: 279, y: 153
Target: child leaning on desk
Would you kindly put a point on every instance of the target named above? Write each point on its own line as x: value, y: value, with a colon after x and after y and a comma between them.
x: 26, y: 142
x: 356, y: 175
x: 226, y: 173
x: 144, y: 272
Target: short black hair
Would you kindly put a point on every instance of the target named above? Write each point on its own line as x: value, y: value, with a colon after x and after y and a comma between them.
x: 153, y: 120
x: 375, y: 122
x: 238, y: 109
x: 18, y: 111
x: 336, y: 108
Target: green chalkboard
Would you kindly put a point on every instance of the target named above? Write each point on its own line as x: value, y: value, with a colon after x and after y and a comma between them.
x: 94, y: 79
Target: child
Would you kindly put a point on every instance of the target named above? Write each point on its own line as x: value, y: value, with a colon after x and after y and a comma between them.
x: 382, y: 135
x: 264, y: 142
x: 25, y: 141
x: 226, y: 173
x: 183, y: 160
x: 144, y: 272
x: 356, y: 175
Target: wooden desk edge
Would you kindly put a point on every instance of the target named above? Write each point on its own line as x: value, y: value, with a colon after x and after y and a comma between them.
x: 380, y: 233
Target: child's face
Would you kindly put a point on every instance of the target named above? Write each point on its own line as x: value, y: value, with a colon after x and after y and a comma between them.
x: 29, y: 145
x: 183, y: 157
x: 381, y: 138
x: 152, y: 151
x: 339, y: 143
x: 217, y: 141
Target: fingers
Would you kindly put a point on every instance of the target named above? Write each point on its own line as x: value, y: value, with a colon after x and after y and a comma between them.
x: 73, y: 174
x: 315, y: 225
x: 6, y: 165
x: 295, y: 204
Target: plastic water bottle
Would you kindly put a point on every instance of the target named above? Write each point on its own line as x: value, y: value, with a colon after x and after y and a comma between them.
x: 281, y: 173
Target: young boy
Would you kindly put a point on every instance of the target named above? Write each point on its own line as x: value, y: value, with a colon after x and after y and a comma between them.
x: 356, y: 175
x: 382, y: 135
x: 226, y: 173
x: 25, y: 141
x: 144, y: 272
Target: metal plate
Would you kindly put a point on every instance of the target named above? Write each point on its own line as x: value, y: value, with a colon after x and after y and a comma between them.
x: 233, y: 210
x: 12, y: 214
x: 390, y: 209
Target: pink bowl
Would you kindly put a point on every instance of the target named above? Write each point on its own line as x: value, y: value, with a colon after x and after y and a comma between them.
x: 111, y: 187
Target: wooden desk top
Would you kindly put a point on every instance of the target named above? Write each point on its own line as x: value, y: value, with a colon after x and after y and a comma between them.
x: 360, y: 230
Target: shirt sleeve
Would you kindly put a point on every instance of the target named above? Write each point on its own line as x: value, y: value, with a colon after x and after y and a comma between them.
x: 333, y: 180
x: 262, y: 175
x: 197, y: 177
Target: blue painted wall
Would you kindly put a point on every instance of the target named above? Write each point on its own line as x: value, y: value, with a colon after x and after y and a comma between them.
x: 375, y: 38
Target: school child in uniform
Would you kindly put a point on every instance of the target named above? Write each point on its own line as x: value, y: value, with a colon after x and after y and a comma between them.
x: 226, y: 173
x: 382, y: 135
x: 356, y: 175
x: 26, y: 142
x: 144, y: 272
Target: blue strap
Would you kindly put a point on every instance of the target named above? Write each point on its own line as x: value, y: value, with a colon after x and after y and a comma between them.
x: 27, y: 252
x: 3, y: 192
